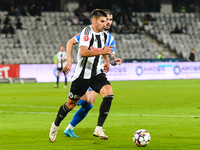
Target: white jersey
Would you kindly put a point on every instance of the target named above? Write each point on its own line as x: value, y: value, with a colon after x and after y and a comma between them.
x: 110, y: 40
x: 88, y: 67
x: 61, y: 56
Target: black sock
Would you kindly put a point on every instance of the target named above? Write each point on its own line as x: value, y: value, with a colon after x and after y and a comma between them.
x: 57, y: 80
x: 104, y: 109
x: 65, y: 81
x: 63, y: 111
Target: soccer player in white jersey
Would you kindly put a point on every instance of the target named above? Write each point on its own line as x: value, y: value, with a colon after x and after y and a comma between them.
x: 89, y: 72
x: 61, y: 61
x: 90, y: 96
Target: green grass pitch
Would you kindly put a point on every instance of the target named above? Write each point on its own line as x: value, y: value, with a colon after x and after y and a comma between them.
x: 168, y: 109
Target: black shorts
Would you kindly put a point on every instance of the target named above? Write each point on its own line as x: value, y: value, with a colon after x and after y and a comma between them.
x: 60, y: 70
x: 79, y: 86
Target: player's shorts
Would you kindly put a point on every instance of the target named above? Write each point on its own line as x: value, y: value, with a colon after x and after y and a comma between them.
x: 60, y: 69
x: 79, y: 86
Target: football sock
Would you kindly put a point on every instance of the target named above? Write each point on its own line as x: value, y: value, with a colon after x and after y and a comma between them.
x: 81, y: 102
x: 65, y: 81
x: 63, y: 111
x: 81, y: 113
x: 57, y: 80
x: 70, y: 127
x: 104, y: 109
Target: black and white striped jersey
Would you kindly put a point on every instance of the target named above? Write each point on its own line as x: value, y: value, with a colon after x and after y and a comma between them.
x: 88, y: 67
x: 61, y: 56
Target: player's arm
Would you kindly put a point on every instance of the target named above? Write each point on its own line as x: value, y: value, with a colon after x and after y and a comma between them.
x: 114, y: 61
x: 69, y: 47
x: 106, y: 65
x: 85, y: 52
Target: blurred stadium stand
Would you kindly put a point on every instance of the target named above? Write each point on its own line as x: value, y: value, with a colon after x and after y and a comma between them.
x: 42, y: 35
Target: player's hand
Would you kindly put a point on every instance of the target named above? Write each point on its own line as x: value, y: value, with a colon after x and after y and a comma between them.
x: 106, y: 67
x: 67, y: 67
x: 118, y: 61
x: 107, y: 50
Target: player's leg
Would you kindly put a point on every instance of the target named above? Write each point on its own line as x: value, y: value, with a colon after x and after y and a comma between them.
x: 83, y: 99
x: 57, y: 79
x: 82, y: 112
x: 106, y: 92
x: 77, y: 117
x: 77, y: 89
x: 65, y: 80
x: 62, y: 113
x: 92, y: 96
x: 86, y: 97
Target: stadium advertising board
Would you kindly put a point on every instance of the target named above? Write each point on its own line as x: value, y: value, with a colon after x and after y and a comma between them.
x: 155, y: 71
x: 43, y: 72
x: 9, y: 71
x: 127, y: 71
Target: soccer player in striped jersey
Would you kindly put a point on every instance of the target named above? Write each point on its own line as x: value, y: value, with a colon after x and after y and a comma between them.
x: 89, y: 72
x: 61, y: 61
x: 89, y: 98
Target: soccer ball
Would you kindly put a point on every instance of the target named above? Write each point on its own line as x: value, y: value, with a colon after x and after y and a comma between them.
x: 141, y: 138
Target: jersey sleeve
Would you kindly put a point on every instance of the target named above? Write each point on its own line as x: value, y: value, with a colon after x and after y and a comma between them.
x: 113, y: 44
x: 77, y: 37
x: 85, y: 38
x: 110, y: 42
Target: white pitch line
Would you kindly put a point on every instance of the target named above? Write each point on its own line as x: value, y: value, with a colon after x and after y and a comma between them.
x: 136, y: 115
x: 147, y: 115
x: 28, y: 106
x: 32, y: 106
x: 25, y: 112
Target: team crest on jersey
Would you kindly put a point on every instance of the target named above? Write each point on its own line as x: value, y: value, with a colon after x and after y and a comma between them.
x: 86, y: 38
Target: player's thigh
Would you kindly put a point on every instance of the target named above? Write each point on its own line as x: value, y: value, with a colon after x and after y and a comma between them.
x: 99, y: 82
x: 92, y: 96
x: 58, y: 71
x: 78, y: 88
x: 64, y: 73
x: 106, y: 90
x: 85, y: 97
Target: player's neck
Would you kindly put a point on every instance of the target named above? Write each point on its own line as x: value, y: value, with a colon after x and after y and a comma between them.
x: 94, y: 29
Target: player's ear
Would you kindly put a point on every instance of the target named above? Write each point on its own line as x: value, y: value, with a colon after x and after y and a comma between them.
x: 93, y: 20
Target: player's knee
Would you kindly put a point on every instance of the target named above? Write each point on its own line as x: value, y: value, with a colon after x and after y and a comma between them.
x: 87, y: 106
x: 71, y: 105
x: 108, y: 97
x: 106, y: 90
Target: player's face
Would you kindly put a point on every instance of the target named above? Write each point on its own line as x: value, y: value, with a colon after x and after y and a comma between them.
x: 109, y: 21
x: 100, y: 24
x: 62, y: 48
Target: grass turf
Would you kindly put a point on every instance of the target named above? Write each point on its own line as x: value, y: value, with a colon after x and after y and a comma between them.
x: 168, y: 109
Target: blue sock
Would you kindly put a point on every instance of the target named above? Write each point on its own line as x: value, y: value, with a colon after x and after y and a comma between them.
x: 80, y: 114
x: 81, y: 102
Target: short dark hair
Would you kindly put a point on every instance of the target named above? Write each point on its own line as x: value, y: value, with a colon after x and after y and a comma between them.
x: 108, y: 12
x: 98, y: 13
